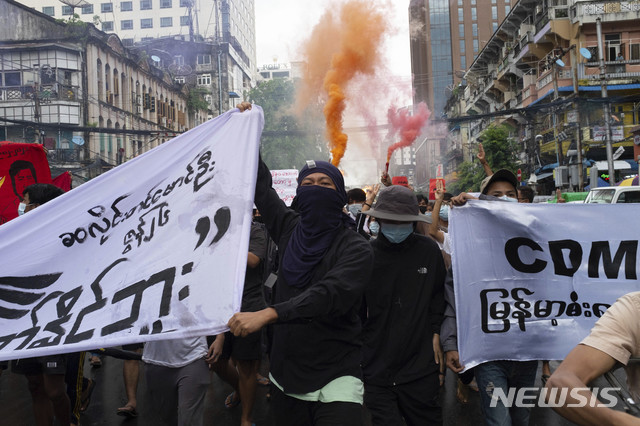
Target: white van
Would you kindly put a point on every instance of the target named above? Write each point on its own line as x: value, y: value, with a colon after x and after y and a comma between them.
x: 614, y: 194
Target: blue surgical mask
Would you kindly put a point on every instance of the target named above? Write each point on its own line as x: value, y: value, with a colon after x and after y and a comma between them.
x: 505, y: 198
x: 374, y: 227
x: 21, y: 208
x: 444, y: 213
x: 397, y: 233
x: 354, y: 209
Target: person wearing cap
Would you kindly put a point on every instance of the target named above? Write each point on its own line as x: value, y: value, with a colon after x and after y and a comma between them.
x: 404, y: 303
x: 504, y: 374
x: 325, y: 265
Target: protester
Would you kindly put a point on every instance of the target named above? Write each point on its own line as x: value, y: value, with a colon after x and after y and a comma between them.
x: 177, y: 377
x: 402, y: 356
x: 245, y: 352
x: 45, y: 375
x: 355, y: 199
x: 525, y: 194
x: 131, y: 375
x: 503, y: 374
x: 614, y: 339
x: 325, y: 265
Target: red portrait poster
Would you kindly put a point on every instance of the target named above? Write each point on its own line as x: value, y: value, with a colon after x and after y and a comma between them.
x: 21, y: 164
x: 432, y: 187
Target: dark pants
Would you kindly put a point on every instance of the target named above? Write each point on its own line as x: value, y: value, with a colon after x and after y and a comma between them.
x: 504, y: 374
x: 290, y: 411
x: 416, y: 402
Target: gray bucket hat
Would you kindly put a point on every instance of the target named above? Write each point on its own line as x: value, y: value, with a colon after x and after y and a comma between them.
x: 397, y: 203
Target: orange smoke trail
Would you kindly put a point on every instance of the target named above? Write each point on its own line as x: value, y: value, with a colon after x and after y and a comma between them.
x: 409, y: 126
x: 339, y: 49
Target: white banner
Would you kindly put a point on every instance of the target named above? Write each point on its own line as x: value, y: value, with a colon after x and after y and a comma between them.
x: 531, y: 279
x: 285, y: 183
x: 154, y: 249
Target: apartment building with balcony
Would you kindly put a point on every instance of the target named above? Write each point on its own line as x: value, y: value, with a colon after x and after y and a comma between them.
x: 539, y: 73
x: 82, y: 94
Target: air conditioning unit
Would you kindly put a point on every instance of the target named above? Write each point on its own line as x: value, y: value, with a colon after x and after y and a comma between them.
x: 139, y: 100
x: 164, y: 121
x: 561, y: 176
x: 139, y: 109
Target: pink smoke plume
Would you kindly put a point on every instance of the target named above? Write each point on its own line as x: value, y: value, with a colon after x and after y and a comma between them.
x: 408, y: 126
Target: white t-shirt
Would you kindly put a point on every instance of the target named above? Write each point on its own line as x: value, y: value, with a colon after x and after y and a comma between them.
x: 446, y: 244
x: 175, y: 353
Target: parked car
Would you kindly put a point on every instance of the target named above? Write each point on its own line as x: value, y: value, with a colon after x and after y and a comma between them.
x: 614, y: 195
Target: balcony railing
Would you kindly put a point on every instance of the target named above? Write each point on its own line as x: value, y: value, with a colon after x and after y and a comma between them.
x: 45, y: 94
x: 614, y: 70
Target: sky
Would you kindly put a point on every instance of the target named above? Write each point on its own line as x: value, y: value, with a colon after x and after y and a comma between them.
x: 281, y: 25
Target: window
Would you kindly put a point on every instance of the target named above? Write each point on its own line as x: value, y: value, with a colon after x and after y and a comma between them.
x: 165, y: 4
x: 462, y: 47
x: 495, y: 26
x: 461, y: 15
x: 184, y: 21
x: 474, y: 30
x: 87, y: 9
x: 126, y: 6
x: 507, y: 9
x: 494, y: 12
x: 475, y: 46
x: 463, y: 62
x: 106, y: 7
x: 185, y: 3
x: 204, y: 59
x: 178, y: 60
x: 145, y: 4
x: 107, y: 26
x: 166, y: 22
x: 127, y: 42
x: 474, y: 14
x: 67, y: 10
x: 204, y: 79
x: 461, y: 30
x: 635, y: 51
x: 126, y: 24
x: 146, y: 23
x: 49, y: 10
x: 12, y: 79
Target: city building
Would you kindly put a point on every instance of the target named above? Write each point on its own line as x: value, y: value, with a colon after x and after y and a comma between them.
x: 540, y: 73
x: 77, y: 90
x: 276, y: 70
x: 446, y: 36
x: 228, y: 26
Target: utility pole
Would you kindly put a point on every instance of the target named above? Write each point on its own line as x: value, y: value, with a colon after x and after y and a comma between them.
x: 36, y: 104
x: 574, y: 58
x: 605, y: 105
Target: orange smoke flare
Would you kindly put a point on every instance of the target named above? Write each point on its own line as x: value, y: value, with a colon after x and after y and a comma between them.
x: 339, y: 49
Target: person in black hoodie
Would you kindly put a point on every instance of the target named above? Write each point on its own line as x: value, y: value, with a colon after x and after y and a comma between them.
x: 316, y: 349
x: 405, y: 304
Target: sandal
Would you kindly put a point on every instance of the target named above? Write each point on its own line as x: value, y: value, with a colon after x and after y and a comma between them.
x: 262, y: 381
x: 127, y: 411
x: 86, y: 399
x: 231, y: 401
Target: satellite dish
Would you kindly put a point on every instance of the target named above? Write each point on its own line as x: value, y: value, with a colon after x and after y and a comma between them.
x: 560, y: 62
x: 585, y: 52
x: 78, y: 140
x: 75, y: 3
x: 155, y: 58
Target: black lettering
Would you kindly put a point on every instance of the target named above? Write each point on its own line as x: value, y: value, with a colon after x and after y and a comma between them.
x: 575, y: 256
x: 601, y: 249
x: 511, y: 252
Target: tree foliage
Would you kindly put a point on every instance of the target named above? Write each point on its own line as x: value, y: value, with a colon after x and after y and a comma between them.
x: 288, y: 140
x: 500, y: 152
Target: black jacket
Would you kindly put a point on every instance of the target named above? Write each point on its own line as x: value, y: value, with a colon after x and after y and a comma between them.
x: 405, y: 304
x: 318, y: 334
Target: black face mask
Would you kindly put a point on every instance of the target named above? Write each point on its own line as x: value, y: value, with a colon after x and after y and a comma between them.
x: 423, y: 209
x: 258, y: 219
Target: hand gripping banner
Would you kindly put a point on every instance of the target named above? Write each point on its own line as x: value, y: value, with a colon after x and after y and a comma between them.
x: 154, y: 249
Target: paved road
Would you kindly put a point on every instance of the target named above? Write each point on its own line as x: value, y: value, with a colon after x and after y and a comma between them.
x: 15, y: 403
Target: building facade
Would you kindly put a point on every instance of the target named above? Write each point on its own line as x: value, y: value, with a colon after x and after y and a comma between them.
x: 540, y: 74
x: 89, y: 100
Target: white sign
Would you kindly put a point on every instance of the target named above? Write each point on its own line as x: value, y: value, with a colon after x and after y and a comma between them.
x: 600, y: 133
x: 439, y: 171
x: 530, y: 282
x: 154, y: 249
x: 285, y: 183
